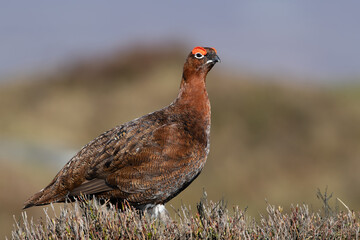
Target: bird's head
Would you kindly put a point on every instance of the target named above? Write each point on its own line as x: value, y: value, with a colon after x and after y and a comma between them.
x: 201, y: 60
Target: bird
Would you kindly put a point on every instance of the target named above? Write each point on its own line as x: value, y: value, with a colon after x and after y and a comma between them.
x: 149, y: 160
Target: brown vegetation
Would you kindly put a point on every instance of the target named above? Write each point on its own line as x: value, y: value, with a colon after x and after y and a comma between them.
x: 87, y: 219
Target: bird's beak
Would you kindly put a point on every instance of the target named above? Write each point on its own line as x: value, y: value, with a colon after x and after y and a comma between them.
x: 214, y: 60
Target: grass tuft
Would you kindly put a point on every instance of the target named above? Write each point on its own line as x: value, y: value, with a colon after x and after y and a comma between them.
x: 88, y: 219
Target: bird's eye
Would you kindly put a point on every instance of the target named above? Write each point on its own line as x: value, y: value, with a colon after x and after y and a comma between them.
x: 199, y: 55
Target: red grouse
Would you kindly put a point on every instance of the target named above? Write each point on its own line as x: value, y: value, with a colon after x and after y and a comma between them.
x: 149, y: 160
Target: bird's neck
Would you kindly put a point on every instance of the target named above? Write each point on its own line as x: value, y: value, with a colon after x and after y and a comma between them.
x: 193, y: 96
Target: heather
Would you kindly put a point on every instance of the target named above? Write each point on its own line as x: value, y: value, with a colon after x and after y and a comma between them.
x: 87, y: 219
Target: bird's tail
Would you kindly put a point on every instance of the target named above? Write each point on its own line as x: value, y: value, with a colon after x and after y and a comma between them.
x: 45, y: 196
x: 34, y: 200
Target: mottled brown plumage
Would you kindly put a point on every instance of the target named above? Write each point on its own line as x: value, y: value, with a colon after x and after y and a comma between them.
x: 149, y: 160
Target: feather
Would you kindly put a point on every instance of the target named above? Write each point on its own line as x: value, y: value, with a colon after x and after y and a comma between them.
x: 92, y: 186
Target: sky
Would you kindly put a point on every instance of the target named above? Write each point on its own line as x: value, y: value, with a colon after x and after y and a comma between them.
x: 305, y: 38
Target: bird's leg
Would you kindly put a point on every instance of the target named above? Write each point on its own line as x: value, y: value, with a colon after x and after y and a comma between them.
x: 157, y: 212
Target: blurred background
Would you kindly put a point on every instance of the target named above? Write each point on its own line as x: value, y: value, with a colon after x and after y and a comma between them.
x: 285, y: 99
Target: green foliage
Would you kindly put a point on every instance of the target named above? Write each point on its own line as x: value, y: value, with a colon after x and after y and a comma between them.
x: 87, y: 219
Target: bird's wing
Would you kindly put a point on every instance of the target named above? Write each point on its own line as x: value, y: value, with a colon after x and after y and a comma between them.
x: 158, y: 166
x: 92, y: 161
x: 145, y: 160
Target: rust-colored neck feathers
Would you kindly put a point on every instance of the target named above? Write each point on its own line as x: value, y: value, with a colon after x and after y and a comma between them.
x: 193, y: 95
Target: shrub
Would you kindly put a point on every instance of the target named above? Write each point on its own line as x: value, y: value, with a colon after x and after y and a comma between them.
x: 87, y: 219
